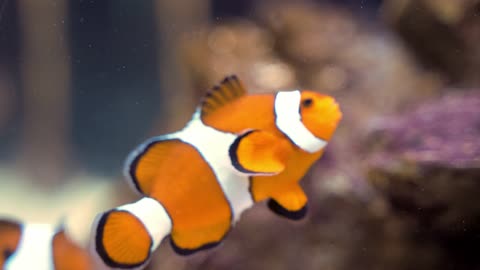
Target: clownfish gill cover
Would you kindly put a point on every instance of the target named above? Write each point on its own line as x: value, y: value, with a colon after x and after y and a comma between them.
x: 238, y: 149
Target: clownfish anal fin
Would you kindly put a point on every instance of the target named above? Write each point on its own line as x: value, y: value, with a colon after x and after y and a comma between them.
x: 291, y: 204
x: 228, y: 90
x: 290, y: 214
x: 258, y: 152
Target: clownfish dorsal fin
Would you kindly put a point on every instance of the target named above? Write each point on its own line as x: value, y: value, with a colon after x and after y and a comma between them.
x: 227, y: 91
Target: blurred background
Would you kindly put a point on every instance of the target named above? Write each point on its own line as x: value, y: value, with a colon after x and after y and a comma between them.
x: 83, y: 82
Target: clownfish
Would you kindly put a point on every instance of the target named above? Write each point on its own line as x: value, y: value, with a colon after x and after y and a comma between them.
x: 238, y: 149
x: 39, y: 247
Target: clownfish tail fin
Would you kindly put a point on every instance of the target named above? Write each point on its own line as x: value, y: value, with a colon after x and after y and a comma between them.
x: 126, y: 236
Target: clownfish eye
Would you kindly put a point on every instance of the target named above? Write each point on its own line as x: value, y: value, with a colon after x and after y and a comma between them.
x: 307, y: 102
x: 7, y: 253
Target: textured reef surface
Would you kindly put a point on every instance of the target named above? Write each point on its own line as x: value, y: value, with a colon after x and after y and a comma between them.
x: 441, y: 133
x: 427, y: 166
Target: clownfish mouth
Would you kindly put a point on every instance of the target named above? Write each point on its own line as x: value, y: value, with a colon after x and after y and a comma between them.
x: 330, y: 110
x: 326, y: 120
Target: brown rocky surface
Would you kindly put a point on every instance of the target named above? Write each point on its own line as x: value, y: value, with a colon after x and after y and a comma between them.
x: 444, y: 35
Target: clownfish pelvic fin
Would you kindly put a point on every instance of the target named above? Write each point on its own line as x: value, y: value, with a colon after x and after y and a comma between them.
x: 258, y: 152
x: 291, y: 204
x: 126, y: 236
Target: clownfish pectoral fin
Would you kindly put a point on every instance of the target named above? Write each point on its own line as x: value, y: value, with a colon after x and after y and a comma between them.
x: 291, y: 204
x: 258, y: 152
x: 228, y: 90
x: 126, y: 236
x: 141, y: 166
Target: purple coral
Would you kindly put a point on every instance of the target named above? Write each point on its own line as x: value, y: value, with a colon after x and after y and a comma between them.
x: 442, y: 132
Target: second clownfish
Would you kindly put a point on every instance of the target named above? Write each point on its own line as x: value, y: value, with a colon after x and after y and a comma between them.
x: 236, y: 150
x: 39, y: 247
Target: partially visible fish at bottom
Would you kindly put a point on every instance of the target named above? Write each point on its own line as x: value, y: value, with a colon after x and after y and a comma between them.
x: 39, y: 247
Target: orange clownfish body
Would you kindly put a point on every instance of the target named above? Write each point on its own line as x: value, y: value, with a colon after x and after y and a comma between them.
x: 238, y: 149
x: 40, y: 247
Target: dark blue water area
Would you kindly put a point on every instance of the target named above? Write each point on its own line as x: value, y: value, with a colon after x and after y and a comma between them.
x: 222, y: 9
x: 116, y: 94
x: 9, y: 66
